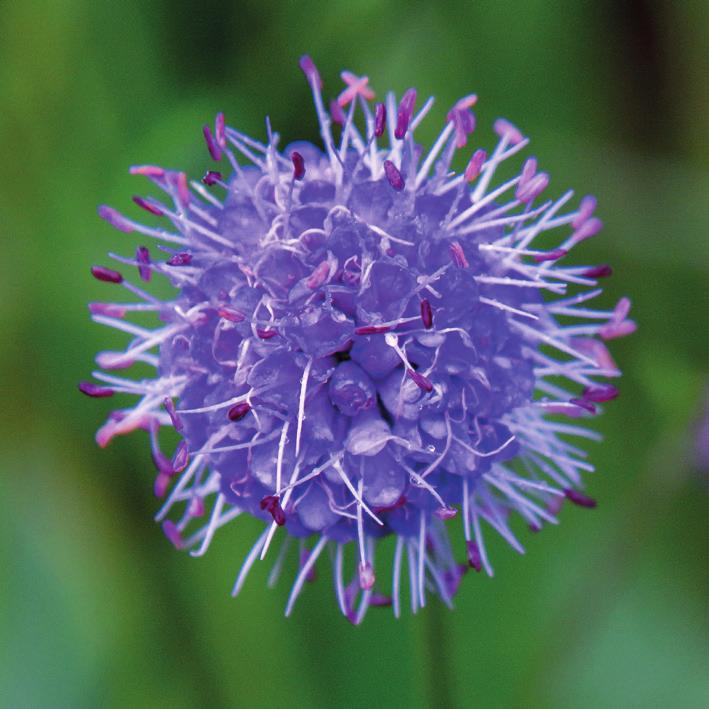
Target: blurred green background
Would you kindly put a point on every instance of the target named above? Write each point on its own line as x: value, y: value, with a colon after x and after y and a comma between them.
x: 98, y: 610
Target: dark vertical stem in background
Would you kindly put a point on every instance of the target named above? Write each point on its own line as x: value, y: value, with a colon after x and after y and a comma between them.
x: 436, y: 657
x: 637, y: 40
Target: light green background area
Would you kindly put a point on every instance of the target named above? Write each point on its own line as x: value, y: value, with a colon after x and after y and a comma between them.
x: 98, y: 610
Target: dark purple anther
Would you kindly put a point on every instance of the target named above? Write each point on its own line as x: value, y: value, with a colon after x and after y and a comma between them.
x: 231, y: 314
x: 101, y: 273
x: 171, y: 531
x: 310, y: 71
x: 372, y: 329
x: 238, y: 411
x: 181, y: 258
x: 601, y: 271
x: 553, y: 255
x: 180, y: 457
x: 584, y: 404
x: 600, y: 393
x: 403, y: 116
x: 338, y: 115
x: 379, y: 600
x: 211, y: 177
x: 148, y: 206
x: 426, y: 314
x: 272, y: 504
x: 212, y: 145
x: 380, y: 119
x: 94, y: 390
x: 458, y: 255
x: 394, y: 176
x: 579, y: 499
x: 475, y: 165
x: 298, y: 165
x: 115, y: 219
x: 172, y: 413
x: 420, y: 381
x: 445, y: 513
x: 219, y: 134
x: 474, y: 558
x: 142, y: 256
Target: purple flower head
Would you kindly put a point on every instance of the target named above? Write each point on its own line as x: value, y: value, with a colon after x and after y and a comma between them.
x: 362, y: 344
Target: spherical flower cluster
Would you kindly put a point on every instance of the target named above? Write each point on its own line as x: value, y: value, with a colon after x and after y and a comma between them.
x: 361, y: 345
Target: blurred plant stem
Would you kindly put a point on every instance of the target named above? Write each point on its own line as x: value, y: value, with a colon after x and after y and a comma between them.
x: 436, y: 643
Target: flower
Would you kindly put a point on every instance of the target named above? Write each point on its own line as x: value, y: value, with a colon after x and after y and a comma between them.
x: 359, y: 345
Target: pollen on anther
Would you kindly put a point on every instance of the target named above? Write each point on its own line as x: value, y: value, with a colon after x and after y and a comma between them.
x: 393, y: 175
x: 108, y: 275
x: 600, y: 271
x: 473, y: 168
x: 238, y: 411
x: 272, y: 504
x: 420, y: 381
x: 148, y: 206
x: 600, y: 393
x: 380, y: 117
x: 95, y: 391
x: 403, y: 116
x: 212, y: 145
x: 182, y: 258
x: 142, y: 256
x: 211, y: 177
x: 298, y: 165
x: 579, y: 498
x: 426, y: 314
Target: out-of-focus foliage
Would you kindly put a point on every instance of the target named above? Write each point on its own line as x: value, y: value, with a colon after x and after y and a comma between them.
x: 97, y: 609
